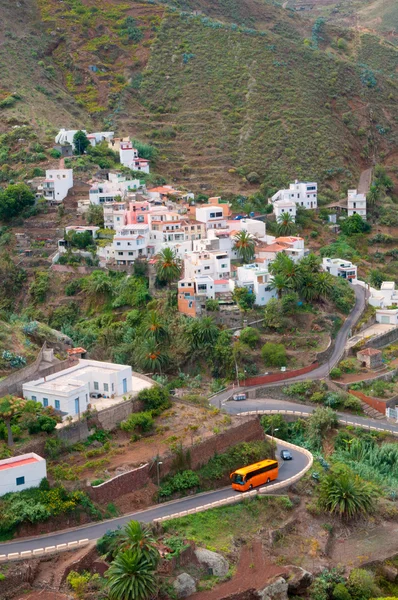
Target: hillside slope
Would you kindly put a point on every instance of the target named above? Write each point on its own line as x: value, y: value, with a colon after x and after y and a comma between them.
x: 223, y: 88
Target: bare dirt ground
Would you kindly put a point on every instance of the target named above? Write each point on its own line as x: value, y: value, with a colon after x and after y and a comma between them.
x: 42, y: 595
x: 254, y: 570
x: 367, y: 543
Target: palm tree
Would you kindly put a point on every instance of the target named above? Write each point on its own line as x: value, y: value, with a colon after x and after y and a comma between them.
x: 98, y: 284
x: 324, y: 284
x: 10, y: 406
x: 202, y: 333
x: 284, y: 265
x: 244, y: 245
x: 285, y: 224
x: 279, y: 283
x: 137, y: 536
x: 151, y: 356
x: 131, y: 577
x: 155, y: 326
x: 308, y: 289
x: 168, y: 265
x: 346, y: 495
x: 311, y: 263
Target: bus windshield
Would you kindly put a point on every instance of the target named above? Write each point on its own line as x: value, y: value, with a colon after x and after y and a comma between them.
x: 239, y: 479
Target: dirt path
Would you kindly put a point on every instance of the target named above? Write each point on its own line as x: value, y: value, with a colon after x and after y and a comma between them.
x: 51, y: 572
x: 253, y: 572
x: 364, y: 181
x: 370, y: 543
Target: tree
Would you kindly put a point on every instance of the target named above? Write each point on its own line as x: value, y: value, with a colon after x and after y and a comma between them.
x: 361, y: 584
x: 322, y: 420
x: 154, y: 399
x: 155, y: 327
x: 80, y: 142
x: 273, y: 422
x: 14, y: 199
x: 280, y: 283
x: 376, y: 278
x: 311, y: 263
x: 202, y: 333
x: 152, y: 356
x: 98, y: 284
x: 274, y: 355
x: 131, y: 577
x: 244, y: 298
x: 346, y: 495
x: 168, y: 265
x: 244, y: 245
x: 80, y: 240
x: 12, y: 278
x: 324, y: 283
x: 286, y: 224
x: 95, y: 215
x: 354, y: 224
x: 137, y: 536
x: 249, y: 336
x: 273, y: 315
x: 10, y: 407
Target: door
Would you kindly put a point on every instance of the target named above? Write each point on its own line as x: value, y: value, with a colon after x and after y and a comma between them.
x: 385, y: 320
x: 77, y: 408
x: 124, y: 386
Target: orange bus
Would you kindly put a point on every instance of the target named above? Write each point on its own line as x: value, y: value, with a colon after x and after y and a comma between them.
x: 254, y: 475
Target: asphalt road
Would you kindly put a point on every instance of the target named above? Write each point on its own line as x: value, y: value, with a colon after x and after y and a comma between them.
x: 96, y: 530
x: 234, y: 408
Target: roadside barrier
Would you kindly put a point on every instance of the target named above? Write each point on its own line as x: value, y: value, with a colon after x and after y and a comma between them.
x: 267, y: 490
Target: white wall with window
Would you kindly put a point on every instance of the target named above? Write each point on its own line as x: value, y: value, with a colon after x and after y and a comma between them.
x: 21, y: 472
x: 69, y: 390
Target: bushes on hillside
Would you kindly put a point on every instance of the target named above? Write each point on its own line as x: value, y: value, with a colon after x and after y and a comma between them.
x: 141, y: 422
x: 155, y: 399
x: 274, y: 355
x: 249, y: 336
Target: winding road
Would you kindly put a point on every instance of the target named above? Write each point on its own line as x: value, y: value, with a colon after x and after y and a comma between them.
x: 287, y: 469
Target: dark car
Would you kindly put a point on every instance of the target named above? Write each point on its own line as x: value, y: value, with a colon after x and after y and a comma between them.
x: 285, y: 455
x: 95, y: 395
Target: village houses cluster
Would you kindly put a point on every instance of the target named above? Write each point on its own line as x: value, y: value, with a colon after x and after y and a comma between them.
x: 140, y: 221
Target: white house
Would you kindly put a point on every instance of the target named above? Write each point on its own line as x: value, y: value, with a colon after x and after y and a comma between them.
x: 256, y: 279
x: 57, y: 184
x: 21, y: 472
x: 340, y: 268
x: 386, y: 296
x: 68, y: 391
x: 129, y: 158
x: 303, y: 193
x: 281, y: 207
x: 65, y: 136
x: 212, y: 216
x: 130, y: 243
x: 254, y: 227
x: 215, y: 264
x: 106, y: 192
x: 387, y: 316
x: 356, y: 204
x: 100, y: 136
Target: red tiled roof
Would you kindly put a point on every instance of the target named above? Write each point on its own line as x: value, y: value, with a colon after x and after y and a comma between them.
x: 220, y: 281
x: 369, y: 352
x: 76, y: 351
x: 18, y: 463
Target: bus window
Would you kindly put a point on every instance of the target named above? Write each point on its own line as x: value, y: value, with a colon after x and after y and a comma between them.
x: 254, y: 475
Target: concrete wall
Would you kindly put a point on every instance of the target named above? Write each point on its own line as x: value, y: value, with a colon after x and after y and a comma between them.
x: 13, y: 383
x: 246, y: 431
x: 384, y: 339
x: 384, y: 376
x: 379, y: 405
x: 262, y: 379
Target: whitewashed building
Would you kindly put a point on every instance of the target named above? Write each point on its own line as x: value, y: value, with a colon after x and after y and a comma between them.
x: 303, y: 193
x: 107, y: 192
x: 340, y: 268
x: 356, y: 204
x: 65, y: 136
x: 215, y: 264
x: 212, y: 215
x: 130, y: 243
x: 68, y: 391
x: 21, y: 472
x: 57, y: 184
x: 386, y: 296
x: 282, y: 207
x: 256, y: 278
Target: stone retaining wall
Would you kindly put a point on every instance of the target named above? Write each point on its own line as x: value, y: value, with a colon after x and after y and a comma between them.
x: 385, y: 339
x: 282, y: 376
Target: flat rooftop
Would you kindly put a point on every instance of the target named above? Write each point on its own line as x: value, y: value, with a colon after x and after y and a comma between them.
x: 18, y: 461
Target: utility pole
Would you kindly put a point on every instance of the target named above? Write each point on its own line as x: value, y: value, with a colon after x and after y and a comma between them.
x: 158, y: 463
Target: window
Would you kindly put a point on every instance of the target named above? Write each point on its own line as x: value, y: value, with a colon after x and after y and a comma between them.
x: 131, y: 253
x: 45, y: 401
x: 57, y: 404
x: 120, y: 253
x: 34, y: 398
x: 224, y: 266
x: 113, y: 387
x: 86, y: 398
x: 106, y: 387
x: 96, y: 386
x: 207, y: 268
x: 20, y: 480
x: 117, y: 243
x: 212, y: 215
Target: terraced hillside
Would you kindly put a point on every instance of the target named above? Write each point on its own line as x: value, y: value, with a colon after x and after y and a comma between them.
x: 224, y: 89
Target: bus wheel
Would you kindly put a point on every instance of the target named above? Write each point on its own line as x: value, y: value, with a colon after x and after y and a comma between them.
x: 268, y: 480
x: 250, y: 487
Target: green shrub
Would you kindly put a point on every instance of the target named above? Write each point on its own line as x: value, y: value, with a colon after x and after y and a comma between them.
x: 352, y: 403
x: 249, y: 336
x: 340, y: 592
x: 361, y: 584
x: 349, y: 365
x: 141, y: 421
x: 274, y: 355
x: 335, y: 373
x: 155, y: 399
x: 318, y: 397
x: 301, y: 388
x: 179, y: 483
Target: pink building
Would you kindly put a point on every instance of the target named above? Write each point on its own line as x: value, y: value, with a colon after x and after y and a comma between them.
x: 138, y: 212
